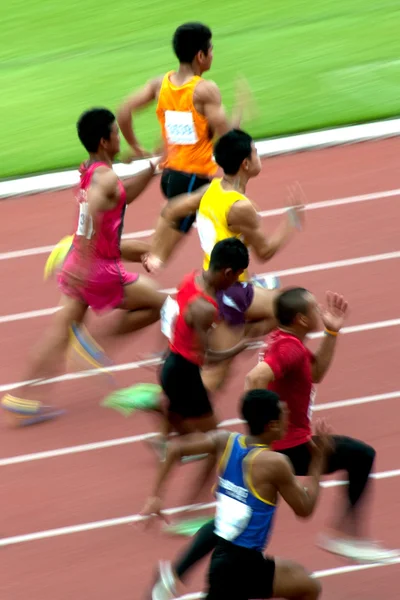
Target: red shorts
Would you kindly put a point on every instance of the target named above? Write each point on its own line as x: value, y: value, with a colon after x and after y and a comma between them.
x: 104, y: 289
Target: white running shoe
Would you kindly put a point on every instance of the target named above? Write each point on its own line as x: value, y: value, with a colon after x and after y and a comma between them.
x: 164, y: 588
x: 361, y: 551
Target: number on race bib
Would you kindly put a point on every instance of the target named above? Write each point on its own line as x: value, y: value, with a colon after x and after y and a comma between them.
x: 206, y: 232
x: 231, y: 518
x: 179, y: 127
x: 83, y: 217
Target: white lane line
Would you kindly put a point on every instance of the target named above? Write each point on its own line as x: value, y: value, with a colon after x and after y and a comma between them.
x: 265, y: 213
x: 155, y: 361
x: 23, y: 458
x: 337, y: 264
x: 91, y: 526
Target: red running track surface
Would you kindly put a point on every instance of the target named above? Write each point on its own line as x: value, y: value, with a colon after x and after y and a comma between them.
x: 92, y: 483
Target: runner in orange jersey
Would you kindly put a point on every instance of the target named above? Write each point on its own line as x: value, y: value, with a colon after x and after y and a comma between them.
x: 190, y: 113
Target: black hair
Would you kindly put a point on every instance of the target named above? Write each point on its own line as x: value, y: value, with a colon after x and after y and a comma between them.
x: 232, y: 149
x: 229, y: 253
x: 190, y: 39
x: 289, y: 303
x: 93, y: 126
x: 259, y: 408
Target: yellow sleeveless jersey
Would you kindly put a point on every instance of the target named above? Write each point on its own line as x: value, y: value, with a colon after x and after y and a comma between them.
x: 212, y: 224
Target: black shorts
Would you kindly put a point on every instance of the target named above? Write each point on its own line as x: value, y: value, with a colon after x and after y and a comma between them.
x: 182, y: 384
x: 237, y: 573
x: 174, y: 183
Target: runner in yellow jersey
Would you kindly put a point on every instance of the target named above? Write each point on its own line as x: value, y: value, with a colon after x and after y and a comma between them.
x: 223, y: 210
x: 190, y: 113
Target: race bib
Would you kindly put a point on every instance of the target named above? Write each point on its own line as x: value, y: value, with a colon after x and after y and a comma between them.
x: 232, y: 517
x: 179, y: 127
x: 84, y: 217
x: 207, y: 233
x: 169, y: 313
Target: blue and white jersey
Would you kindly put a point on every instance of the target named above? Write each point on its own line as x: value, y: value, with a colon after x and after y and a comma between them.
x: 242, y: 516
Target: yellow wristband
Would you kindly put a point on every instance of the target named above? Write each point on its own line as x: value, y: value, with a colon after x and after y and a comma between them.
x: 329, y: 332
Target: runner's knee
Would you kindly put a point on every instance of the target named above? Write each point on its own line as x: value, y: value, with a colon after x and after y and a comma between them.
x: 293, y: 582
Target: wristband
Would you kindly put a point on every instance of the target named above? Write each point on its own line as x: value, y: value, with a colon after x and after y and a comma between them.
x: 330, y: 332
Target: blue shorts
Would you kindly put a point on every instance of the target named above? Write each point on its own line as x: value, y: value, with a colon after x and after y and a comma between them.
x: 234, y: 302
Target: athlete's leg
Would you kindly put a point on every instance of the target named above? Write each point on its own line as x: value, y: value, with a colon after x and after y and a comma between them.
x: 142, y: 303
x: 347, y: 535
x: 175, y: 183
x: 46, y: 359
x: 293, y: 582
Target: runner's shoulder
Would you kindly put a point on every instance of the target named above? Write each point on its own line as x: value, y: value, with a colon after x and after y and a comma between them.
x: 207, y: 91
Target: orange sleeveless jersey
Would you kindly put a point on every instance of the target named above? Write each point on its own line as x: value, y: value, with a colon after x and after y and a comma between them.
x: 184, y: 130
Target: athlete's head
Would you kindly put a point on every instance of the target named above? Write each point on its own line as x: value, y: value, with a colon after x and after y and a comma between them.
x: 98, y: 131
x: 229, y: 258
x: 192, y: 44
x: 264, y: 413
x: 236, y: 151
x: 298, y: 309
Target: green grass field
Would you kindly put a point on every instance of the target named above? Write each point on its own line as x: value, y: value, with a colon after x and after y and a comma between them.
x: 310, y: 65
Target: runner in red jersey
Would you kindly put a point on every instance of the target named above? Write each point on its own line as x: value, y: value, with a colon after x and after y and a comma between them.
x: 93, y: 274
x: 291, y: 370
x: 189, y: 406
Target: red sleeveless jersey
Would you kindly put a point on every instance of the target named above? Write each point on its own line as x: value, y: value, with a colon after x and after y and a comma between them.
x: 185, y: 340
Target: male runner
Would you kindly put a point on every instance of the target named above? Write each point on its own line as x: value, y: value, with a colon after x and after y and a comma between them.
x: 290, y: 369
x: 93, y: 274
x: 251, y: 478
x: 223, y: 211
x: 190, y: 113
x: 189, y: 405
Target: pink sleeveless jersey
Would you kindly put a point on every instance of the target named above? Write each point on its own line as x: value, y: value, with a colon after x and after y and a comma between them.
x: 106, y: 233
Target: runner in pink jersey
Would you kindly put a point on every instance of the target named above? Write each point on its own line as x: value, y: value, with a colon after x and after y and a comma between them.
x: 93, y: 274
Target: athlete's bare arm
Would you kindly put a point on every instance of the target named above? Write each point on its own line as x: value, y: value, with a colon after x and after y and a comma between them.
x: 137, y: 184
x: 259, y: 378
x: 208, y: 102
x: 301, y: 499
x: 132, y: 104
x: 201, y: 315
x: 212, y: 442
x: 243, y: 219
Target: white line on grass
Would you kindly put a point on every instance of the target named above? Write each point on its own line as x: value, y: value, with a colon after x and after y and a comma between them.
x: 57, y: 452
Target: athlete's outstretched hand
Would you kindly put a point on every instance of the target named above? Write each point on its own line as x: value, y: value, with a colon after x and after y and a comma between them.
x: 296, y: 200
x: 333, y: 314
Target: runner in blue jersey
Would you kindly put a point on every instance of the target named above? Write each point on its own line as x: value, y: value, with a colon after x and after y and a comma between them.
x: 251, y: 478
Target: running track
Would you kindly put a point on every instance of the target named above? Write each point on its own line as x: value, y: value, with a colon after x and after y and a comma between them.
x: 80, y: 495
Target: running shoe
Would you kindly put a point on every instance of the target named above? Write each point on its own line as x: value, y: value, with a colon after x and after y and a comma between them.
x: 362, y: 551
x: 165, y: 587
x: 28, y: 412
x: 85, y: 348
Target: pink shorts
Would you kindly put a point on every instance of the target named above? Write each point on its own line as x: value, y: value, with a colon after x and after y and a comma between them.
x: 105, y: 287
